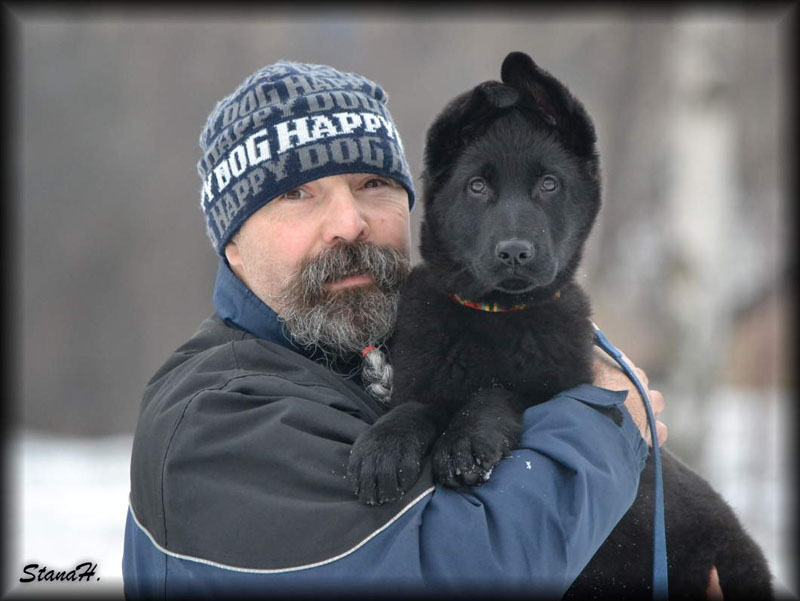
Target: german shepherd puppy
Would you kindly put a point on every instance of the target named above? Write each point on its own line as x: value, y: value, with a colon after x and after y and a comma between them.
x: 512, y: 189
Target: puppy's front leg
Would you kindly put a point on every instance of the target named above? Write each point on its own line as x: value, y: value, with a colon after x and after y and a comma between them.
x: 479, y: 435
x: 386, y: 459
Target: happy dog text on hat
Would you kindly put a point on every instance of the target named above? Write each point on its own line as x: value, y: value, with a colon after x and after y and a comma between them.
x: 300, y: 132
x: 288, y: 124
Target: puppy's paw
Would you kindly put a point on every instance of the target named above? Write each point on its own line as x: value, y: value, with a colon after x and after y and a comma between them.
x: 460, y: 459
x: 384, y: 464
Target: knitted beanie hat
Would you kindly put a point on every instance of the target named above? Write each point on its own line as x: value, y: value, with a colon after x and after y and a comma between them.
x: 286, y: 125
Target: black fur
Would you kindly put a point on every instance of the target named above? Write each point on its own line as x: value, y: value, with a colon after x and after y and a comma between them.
x: 511, y: 192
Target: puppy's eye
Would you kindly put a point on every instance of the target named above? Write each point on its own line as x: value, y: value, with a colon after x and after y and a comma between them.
x: 548, y: 184
x: 477, y: 185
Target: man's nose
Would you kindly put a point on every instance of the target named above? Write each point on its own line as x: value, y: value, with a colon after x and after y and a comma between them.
x: 344, y: 220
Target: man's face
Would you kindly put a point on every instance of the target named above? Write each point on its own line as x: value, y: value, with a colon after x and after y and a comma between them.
x: 329, y: 258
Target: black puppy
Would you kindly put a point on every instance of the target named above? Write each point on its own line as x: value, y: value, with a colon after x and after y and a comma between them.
x: 493, y: 322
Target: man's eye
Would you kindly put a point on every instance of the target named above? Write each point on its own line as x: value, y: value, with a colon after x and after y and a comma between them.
x: 294, y: 194
x: 376, y: 182
x: 549, y: 184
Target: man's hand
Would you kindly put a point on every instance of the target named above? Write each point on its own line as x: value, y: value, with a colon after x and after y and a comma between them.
x: 607, y: 374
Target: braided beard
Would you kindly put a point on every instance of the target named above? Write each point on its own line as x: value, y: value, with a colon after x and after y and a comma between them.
x: 344, y: 321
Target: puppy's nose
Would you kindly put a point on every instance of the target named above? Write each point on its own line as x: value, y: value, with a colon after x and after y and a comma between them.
x: 514, y: 252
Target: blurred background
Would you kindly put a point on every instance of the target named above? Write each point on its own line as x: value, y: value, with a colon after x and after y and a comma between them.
x: 688, y: 265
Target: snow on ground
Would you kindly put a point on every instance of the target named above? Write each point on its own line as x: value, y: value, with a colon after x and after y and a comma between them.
x: 71, y: 502
x: 70, y: 495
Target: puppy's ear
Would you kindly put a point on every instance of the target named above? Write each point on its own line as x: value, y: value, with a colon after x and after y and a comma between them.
x: 460, y: 122
x: 519, y: 71
x: 552, y: 101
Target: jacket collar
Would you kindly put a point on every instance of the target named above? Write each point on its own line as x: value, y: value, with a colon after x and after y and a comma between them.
x: 238, y: 306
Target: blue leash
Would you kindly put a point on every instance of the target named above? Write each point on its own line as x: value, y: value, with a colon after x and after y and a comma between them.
x: 660, y: 584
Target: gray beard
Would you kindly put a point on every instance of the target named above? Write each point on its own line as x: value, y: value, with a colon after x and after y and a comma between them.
x: 344, y: 322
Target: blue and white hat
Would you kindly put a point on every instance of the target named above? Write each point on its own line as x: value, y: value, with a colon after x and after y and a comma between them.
x: 286, y: 125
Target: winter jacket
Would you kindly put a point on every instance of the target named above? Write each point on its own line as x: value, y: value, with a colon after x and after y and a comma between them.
x: 238, y: 482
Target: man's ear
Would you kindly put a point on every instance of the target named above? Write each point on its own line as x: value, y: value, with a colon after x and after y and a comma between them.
x: 234, y: 256
x: 231, y: 252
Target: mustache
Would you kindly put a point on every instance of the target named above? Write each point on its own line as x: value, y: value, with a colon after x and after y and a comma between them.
x: 343, y: 322
x: 387, y: 267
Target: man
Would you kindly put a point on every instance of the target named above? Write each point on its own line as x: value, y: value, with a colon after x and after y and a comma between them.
x: 238, y: 471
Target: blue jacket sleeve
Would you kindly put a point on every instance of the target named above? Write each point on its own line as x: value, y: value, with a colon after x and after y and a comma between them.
x: 547, y: 508
x: 531, y: 528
